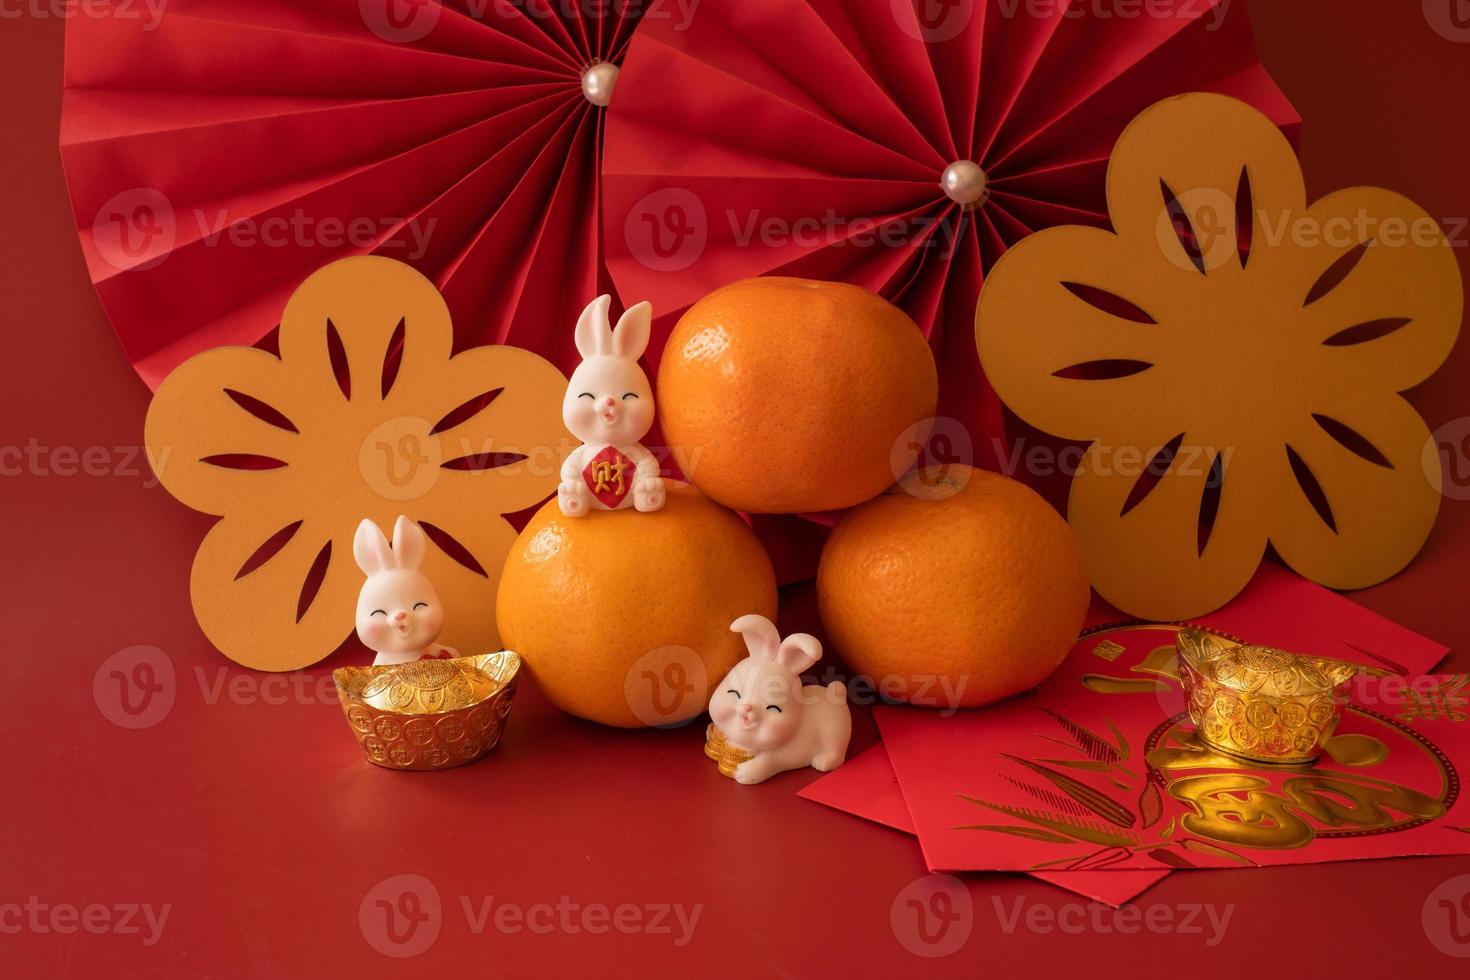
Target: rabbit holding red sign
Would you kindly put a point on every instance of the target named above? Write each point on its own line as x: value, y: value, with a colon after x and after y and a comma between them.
x: 609, y: 406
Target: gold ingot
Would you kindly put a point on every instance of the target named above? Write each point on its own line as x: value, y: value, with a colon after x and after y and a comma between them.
x: 728, y: 756
x: 429, y: 714
x: 1259, y: 703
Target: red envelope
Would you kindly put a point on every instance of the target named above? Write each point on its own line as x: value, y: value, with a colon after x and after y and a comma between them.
x: 1099, y: 768
x: 867, y: 787
x: 864, y: 786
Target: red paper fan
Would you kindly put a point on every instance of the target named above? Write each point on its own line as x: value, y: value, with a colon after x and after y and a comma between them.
x: 220, y: 155
x: 809, y: 138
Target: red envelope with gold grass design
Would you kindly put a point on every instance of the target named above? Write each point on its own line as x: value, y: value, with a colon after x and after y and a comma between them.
x: 1100, y: 768
x: 865, y: 786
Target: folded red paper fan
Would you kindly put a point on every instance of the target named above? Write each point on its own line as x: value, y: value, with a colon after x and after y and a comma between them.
x: 899, y: 144
x: 220, y: 153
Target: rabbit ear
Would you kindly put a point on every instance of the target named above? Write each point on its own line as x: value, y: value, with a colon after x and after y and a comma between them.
x: 594, y: 336
x: 371, y: 549
x: 630, y: 339
x: 798, y: 652
x: 761, y: 637
x: 409, y: 543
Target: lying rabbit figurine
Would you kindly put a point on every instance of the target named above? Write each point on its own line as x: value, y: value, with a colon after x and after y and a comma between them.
x: 762, y: 709
x: 609, y: 406
x: 399, y: 615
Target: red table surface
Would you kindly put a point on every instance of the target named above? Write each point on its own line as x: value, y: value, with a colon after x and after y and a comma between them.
x: 249, y: 814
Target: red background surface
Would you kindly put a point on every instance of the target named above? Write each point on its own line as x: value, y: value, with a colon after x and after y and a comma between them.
x: 264, y: 830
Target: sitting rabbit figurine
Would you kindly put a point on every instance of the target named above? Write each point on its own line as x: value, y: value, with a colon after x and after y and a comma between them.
x: 762, y: 709
x: 399, y: 615
x: 609, y: 406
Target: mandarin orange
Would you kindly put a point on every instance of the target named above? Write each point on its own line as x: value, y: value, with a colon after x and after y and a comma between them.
x: 624, y: 618
x: 783, y: 396
x: 958, y: 588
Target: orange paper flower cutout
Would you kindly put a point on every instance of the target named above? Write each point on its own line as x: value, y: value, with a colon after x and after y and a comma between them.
x: 1235, y: 357
x: 363, y: 414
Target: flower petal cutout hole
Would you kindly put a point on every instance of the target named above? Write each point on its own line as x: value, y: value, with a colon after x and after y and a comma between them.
x: 1108, y: 302
x: 266, y: 413
x: 269, y: 548
x: 1152, y: 473
x: 393, y: 358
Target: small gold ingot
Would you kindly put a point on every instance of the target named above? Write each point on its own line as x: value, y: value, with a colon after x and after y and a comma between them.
x: 728, y: 756
x: 1258, y: 703
x: 429, y: 714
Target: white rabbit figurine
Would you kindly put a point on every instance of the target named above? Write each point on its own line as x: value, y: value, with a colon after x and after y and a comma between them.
x: 609, y: 406
x: 399, y: 614
x: 762, y: 708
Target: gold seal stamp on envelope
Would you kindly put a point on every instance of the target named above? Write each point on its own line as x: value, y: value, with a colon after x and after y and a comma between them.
x: 1259, y: 703
x: 429, y: 714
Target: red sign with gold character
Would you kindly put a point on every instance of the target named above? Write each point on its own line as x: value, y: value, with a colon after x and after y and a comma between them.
x: 609, y: 476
